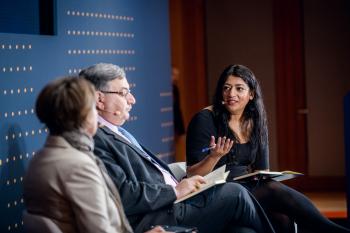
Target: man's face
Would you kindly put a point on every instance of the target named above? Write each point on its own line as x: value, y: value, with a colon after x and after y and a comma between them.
x: 115, y: 102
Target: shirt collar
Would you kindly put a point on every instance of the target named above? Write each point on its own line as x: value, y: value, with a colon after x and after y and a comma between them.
x: 110, y: 126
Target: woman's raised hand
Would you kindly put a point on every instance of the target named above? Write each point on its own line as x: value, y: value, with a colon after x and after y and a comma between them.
x: 221, y: 147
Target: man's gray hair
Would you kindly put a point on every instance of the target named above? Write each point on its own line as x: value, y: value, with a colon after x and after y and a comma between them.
x: 102, y: 73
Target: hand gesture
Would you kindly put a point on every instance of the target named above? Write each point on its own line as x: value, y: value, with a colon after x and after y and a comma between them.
x: 221, y: 148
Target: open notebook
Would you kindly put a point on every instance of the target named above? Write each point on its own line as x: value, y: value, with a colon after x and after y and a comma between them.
x: 258, y: 175
x: 218, y: 176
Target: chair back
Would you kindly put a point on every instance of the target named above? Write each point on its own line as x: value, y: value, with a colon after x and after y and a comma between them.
x: 178, y: 169
x: 34, y: 223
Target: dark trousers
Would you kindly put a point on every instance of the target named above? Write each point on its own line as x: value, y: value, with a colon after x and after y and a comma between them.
x: 286, y: 205
x: 222, y: 208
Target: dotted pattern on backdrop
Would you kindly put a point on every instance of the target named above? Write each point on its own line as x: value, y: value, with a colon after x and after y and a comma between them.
x: 132, y: 34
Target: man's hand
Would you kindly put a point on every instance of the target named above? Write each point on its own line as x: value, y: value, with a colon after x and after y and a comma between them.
x: 188, y: 185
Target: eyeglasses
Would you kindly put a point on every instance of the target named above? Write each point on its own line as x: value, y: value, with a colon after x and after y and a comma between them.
x: 122, y: 93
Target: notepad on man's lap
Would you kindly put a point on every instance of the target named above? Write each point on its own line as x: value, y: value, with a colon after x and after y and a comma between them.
x: 258, y: 175
x: 216, y: 177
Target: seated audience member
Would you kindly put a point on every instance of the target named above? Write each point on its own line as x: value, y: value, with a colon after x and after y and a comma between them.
x: 237, y: 119
x: 146, y: 186
x: 65, y: 182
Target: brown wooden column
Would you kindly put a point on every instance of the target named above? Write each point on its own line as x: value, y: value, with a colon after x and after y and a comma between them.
x: 290, y: 85
x: 188, y: 56
x: 291, y: 103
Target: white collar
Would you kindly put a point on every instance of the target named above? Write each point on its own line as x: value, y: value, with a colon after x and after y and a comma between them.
x: 110, y: 126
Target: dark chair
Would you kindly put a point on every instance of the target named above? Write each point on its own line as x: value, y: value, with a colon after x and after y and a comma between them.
x: 34, y: 223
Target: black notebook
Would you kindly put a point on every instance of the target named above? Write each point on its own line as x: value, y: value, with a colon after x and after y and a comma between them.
x: 258, y: 175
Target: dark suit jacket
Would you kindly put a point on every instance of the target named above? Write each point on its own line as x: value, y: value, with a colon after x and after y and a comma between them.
x: 141, y: 185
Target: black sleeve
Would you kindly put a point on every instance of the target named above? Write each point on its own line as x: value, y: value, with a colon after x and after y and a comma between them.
x: 199, y: 131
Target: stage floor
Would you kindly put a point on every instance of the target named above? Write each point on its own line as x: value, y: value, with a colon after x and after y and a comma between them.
x: 331, y: 204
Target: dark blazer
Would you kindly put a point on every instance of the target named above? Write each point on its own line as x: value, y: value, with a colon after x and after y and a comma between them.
x: 149, y: 201
x: 141, y: 185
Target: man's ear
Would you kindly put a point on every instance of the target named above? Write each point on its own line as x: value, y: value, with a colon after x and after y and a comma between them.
x: 100, y: 98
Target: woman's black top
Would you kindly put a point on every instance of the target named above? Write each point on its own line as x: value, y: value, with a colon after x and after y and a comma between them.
x: 242, y: 158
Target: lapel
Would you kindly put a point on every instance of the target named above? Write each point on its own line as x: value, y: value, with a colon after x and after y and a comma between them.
x: 117, y: 137
x: 164, y: 165
x: 121, y: 139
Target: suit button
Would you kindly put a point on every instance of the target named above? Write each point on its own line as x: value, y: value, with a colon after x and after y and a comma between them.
x: 170, y: 211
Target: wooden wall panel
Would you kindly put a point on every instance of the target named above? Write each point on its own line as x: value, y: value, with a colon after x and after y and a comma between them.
x: 188, y: 56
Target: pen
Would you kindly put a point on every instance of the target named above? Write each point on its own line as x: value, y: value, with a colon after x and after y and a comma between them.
x: 205, y: 149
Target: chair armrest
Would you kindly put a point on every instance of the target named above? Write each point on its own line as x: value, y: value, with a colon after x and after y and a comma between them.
x: 178, y: 169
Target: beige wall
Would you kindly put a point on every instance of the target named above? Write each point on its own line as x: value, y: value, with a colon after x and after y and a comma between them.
x: 240, y: 31
x: 327, y: 67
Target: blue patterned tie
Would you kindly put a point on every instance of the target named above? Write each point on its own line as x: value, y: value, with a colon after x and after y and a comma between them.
x: 135, y: 142
x: 131, y: 138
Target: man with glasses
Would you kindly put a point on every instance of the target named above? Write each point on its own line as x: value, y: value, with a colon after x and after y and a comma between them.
x: 147, y: 187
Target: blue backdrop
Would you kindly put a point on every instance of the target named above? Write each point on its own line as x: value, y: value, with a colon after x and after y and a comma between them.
x: 133, y: 34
